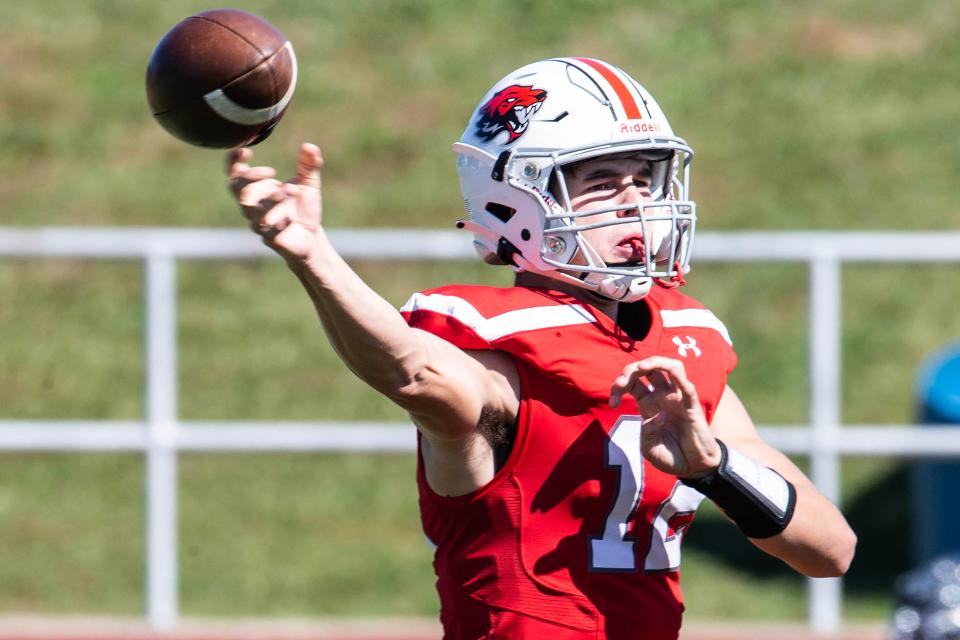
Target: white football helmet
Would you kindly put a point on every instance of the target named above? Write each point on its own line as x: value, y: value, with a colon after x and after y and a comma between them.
x: 549, y: 115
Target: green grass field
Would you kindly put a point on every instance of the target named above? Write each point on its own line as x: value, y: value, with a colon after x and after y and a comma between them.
x: 804, y: 115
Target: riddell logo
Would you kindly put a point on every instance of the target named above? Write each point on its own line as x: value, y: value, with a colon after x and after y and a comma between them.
x: 639, y: 126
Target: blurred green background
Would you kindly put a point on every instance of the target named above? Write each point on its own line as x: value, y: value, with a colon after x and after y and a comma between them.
x: 804, y: 115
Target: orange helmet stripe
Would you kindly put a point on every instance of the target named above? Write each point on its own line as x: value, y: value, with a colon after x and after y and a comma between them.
x: 626, y: 99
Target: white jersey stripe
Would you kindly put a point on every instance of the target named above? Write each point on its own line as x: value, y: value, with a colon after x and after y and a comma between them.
x: 694, y: 318
x: 502, y: 325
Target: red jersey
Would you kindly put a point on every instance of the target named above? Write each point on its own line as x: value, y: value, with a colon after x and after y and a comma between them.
x: 576, y: 536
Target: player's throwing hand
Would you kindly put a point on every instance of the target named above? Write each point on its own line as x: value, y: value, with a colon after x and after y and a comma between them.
x: 675, y: 437
x: 287, y: 215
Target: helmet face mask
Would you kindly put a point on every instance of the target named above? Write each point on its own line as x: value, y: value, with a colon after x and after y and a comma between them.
x: 514, y: 176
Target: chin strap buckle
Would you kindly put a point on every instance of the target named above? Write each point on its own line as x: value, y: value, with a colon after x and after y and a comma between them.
x: 676, y: 280
x: 500, y: 165
x: 506, y: 251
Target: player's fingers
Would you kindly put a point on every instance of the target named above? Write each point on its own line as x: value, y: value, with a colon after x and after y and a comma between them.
x: 629, y: 381
x: 674, y: 376
x: 250, y: 175
x: 673, y: 368
x: 259, y: 173
x: 297, y: 193
x: 653, y: 423
x: 274, y: 222
x: 661, y: 381
x: 626, y: 377
x: 644, y: 377
x: 620, y: 385
x: 688, y: 391
x: 237, y: 160
x: 309, y: 163
x: 659, y: 362
x: 256, y: 192
x: 269, y: 232
x: 673, y: 372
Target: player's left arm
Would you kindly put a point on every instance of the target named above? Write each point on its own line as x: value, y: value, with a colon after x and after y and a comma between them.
x: 757, y: 487
x: 817, y: 541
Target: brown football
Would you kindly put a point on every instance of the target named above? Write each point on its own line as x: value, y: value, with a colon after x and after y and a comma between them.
x: 221, y: 78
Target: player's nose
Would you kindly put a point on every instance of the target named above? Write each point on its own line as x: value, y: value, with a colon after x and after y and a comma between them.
x: 634, y: 195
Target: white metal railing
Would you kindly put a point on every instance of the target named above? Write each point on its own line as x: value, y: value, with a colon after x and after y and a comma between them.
x: 161, y: 435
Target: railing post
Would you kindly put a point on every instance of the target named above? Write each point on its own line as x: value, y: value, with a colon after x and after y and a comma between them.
x: 161, y: 460
x: 825, y: 594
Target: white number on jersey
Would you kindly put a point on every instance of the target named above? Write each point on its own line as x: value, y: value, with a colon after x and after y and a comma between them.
x: 614, y: 549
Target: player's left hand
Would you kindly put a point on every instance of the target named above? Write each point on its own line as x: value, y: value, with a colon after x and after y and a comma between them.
x: 675, y: 438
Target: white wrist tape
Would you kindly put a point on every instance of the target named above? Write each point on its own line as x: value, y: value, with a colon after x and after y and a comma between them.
x: 763, y: 483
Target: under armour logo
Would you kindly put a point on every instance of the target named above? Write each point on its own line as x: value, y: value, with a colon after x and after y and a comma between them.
x: 689, y: 345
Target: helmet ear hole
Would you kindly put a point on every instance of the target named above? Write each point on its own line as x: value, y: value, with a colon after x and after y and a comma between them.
x: 501, y: 211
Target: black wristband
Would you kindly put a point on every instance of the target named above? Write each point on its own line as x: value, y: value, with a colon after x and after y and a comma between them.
x: 758, y: 499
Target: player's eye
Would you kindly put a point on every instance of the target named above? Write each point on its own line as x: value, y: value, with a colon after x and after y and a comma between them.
x: 601, y: 186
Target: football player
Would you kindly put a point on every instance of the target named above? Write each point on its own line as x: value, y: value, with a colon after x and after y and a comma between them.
x: 570, y: 425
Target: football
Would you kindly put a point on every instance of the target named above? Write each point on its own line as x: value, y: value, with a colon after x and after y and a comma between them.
x: 221, y: 78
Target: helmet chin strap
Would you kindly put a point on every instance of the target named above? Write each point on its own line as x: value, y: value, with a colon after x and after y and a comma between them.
x: 616, y: 287
x: 623, y: 288
x: 619, y: 288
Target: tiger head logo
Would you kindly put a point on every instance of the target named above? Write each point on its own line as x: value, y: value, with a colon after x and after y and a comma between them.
x: 509, y: 110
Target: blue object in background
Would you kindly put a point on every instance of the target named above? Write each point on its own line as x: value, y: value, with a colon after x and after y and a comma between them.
x: 937, y: 484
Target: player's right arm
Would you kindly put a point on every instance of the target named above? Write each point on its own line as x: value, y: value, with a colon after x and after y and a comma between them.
x: 445, y: 390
